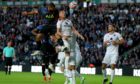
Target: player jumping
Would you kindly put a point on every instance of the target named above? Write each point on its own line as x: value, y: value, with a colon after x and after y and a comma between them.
x: 43, y: 33
x: 65, y: 29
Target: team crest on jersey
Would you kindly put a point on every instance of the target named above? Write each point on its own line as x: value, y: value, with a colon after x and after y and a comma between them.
x: 67, y: 24
x: 50, y: 16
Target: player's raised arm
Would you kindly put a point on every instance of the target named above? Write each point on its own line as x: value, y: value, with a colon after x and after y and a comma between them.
x: 30, y: 12
x: 77, y: 33
x: 58, y: 25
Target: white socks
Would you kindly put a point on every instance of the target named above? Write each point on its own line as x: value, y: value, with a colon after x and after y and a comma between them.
x: 66, y: 62
x: 112, y: 75
x: 104, y: 73
x: 66, y: 81
x: 73, y: 77
x: 47, y: 72
x: 68, y: 73
x: 78, y: 74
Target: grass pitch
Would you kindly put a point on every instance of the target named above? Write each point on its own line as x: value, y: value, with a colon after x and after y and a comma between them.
x: 36, y: 78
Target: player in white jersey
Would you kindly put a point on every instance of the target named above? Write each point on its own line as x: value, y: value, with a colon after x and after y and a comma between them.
x: 111, y: 41
x: 78, y: 57
x: 78, y: 62
x: 66, y: 30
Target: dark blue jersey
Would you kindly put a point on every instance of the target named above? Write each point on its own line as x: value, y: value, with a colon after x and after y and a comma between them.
x: 52, y: 17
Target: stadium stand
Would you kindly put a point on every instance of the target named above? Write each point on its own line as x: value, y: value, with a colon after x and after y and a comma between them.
x: 91, y: 22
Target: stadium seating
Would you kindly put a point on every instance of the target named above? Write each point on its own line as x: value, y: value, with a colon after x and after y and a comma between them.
x: 91, y: 22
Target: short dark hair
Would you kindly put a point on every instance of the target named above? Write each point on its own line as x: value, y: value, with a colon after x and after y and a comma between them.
x: 66, y: 12
x: 51, y: 5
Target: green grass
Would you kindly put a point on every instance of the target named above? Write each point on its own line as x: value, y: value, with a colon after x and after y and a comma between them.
x: 36, y: 78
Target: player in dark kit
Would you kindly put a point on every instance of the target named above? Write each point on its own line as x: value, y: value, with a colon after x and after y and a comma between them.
x: 43, y: 34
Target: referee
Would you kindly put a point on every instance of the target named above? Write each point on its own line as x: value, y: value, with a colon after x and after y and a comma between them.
x: 8, y: 54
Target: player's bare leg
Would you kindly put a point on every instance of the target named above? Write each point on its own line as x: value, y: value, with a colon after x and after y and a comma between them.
x: 82, y: 79
x: 68, y: 72
x: 104, y: 73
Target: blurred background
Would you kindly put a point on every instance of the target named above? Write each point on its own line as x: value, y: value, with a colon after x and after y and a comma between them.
x: 91, y: 20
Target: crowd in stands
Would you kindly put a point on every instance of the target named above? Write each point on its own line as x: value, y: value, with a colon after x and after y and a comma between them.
x: 131, y: 59
x: 92, y: 22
